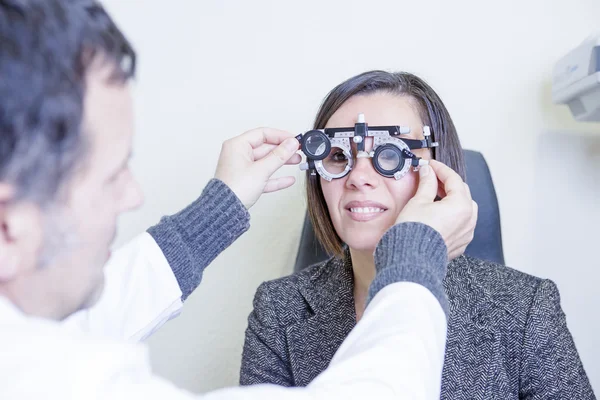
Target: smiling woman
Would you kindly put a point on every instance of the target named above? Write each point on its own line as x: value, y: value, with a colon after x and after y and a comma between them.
x: 507, y: 325
x: 364, y: 195
x: 385, y: 99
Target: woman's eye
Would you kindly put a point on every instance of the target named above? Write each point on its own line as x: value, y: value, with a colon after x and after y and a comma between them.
x: 339, y: 156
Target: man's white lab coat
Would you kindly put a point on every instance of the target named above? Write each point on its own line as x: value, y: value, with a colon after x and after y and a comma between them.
x: 396, y: 351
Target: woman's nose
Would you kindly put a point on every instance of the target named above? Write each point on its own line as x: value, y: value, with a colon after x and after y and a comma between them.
x: 363, y: 175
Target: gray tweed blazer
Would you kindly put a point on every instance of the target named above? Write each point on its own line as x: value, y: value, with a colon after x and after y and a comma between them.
x: 507, y: 334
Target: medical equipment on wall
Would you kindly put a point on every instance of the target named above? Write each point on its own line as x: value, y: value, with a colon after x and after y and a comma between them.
x: 576, y: 80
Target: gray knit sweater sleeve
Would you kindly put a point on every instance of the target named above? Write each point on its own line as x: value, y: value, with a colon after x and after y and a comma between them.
x: 195, y: 236
x: 411, y: 252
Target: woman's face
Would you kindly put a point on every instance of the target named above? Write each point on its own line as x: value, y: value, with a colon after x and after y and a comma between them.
x: 363, y: 205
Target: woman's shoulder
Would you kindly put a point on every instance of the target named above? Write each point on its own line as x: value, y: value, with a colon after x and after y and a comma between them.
x: 286, y: 298
x: 498, y: 285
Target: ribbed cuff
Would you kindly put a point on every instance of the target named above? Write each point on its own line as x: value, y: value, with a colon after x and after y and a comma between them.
x: 195, y: 236
x: 411, y: 252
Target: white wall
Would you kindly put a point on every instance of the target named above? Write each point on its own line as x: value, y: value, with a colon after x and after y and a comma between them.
x: 212, y: 69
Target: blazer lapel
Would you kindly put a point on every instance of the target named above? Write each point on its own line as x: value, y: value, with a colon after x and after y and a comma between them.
x: 471, y: 341
x: 313, y: 342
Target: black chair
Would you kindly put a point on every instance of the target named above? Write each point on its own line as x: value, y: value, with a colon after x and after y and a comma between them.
x: 487, y: 243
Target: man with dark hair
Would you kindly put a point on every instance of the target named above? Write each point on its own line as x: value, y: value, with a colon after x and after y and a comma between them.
x: 68, y: 332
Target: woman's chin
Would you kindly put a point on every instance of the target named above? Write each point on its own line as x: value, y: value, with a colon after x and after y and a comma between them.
x: 364, y: 239
x: 363, y: 245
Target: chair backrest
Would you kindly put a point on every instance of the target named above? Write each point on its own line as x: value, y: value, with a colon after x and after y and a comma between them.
x: 487, y: 243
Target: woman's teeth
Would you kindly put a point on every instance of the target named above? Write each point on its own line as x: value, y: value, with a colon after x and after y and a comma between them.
x: 367, y: 210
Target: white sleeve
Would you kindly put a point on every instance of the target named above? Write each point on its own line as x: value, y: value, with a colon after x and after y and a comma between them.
x: 396, y: 351
x: 141, y: 293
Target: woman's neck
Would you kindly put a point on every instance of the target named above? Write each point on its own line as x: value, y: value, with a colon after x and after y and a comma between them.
x: 363, y: 267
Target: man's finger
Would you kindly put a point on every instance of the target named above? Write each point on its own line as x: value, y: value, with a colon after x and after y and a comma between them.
x: 441, y: 193
x: 457, y: 253
x: 475, y: 214
x: 295, y: 160
x: 277, y: 158
x: 275, y: 184
x: 428, y: 185
x: 468, y: 191
x: 262, y: 151
x: 451, y: 181
x: 259, y: 136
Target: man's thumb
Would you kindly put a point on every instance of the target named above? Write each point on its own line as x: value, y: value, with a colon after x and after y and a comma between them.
x: 428, y: 184
x: 279, y: 156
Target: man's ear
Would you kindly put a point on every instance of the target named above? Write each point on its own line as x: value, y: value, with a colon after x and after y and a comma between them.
x: 8, y: 261
x: 21, y: 233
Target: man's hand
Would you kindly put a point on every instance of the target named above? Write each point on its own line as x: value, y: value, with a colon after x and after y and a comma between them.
x: 454, y: 217
x: 248, y: 161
